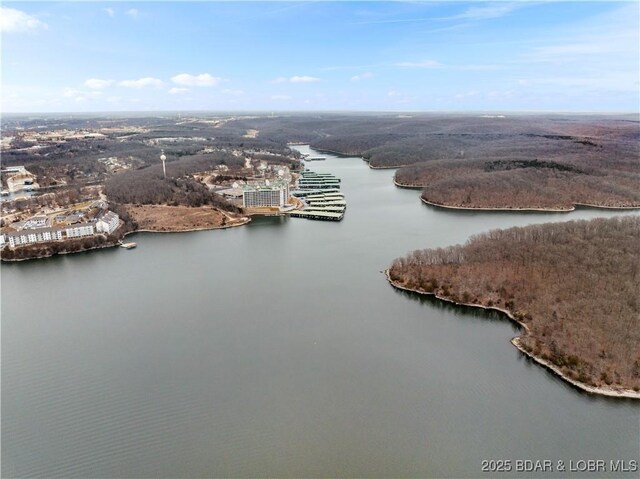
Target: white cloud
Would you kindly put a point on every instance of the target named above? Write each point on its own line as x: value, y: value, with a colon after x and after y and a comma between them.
x: 296, y: 79
x: 12, y: 20
x: 422, y: 64
x: 97, y: 84
x: 280, y: 97
x: 109, y: 11
x: 303, y: 79
x: 177, y: 91
x: 393, y: 93
x: 141, y: 82
x: 362, y: 76
x: 204, y: 79
x: 132, y: 12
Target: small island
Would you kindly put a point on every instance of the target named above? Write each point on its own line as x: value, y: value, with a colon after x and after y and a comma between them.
x: 573, y: 288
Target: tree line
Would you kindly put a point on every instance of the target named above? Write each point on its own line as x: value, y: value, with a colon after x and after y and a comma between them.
x: 576, y: 285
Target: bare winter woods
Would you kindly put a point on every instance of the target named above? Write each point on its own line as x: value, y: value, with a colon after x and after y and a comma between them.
x: 576, y: 286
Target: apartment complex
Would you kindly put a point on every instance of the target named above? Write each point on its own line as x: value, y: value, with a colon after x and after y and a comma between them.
x: 106, y: 223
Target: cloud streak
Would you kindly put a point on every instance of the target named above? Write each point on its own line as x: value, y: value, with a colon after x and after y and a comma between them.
x: 422, y: 64
x: 201, y: 80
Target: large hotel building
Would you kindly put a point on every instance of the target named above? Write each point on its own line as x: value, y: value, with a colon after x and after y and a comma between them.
x: 274, y: 193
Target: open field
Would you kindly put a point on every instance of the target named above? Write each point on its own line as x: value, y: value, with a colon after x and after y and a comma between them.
x: 179, y: 218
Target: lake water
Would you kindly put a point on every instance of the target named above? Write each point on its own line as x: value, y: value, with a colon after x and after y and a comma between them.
x: 279, y: 349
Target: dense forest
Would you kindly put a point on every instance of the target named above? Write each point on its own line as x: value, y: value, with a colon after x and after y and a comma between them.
x: 147, y: 186
x: 558, y: 183
x: 575, y: 285
x: 488, y: 161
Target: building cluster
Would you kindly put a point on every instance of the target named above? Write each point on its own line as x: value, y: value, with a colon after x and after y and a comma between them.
x: 33, y: 230
x: 19, y: 179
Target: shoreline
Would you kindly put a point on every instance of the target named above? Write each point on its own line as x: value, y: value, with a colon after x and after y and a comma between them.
x: 407, y: 187
x: 188, y: 230
x: 548, y: 210
x: 608, y: 392
x: 60, y: 253
x: 345, y: 155
x: 385, y: 167
x: 243, y: 222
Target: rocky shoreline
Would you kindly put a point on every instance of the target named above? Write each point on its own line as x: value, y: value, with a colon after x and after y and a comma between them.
x: 609, y: 392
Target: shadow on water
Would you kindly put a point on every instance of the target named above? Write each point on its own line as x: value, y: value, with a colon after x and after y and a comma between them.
x: 463, y: 312
x: 334, y: 153
x: 446, y: 212
x: 267, y: 221
x: 575, y: 390
x: 460, y: 310
x: 58, y: 259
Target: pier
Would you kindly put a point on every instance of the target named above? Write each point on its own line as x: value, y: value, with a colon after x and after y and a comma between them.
x: 321, y: 195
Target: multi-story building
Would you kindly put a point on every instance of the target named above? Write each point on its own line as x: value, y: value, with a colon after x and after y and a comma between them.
x: 80, y: 230
x: 36, y: 222
x: 38, y: 235
x: 107, y: 222
x: 271, y: 193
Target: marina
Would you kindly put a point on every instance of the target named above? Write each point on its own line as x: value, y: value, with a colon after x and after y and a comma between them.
x: 323, y: 201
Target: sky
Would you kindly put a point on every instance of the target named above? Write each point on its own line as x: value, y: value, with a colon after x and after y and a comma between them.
x: 320, y: 55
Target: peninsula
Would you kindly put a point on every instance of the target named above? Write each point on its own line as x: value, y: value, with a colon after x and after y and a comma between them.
x: 573, y: 287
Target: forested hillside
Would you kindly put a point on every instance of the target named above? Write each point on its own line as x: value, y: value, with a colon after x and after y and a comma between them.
x: 147, y: 186
x: 575, y: 285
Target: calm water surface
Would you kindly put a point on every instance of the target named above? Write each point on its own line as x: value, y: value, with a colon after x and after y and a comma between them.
x: 279, y: 349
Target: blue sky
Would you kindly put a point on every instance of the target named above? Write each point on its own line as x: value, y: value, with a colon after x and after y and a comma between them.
x: 433, y: 56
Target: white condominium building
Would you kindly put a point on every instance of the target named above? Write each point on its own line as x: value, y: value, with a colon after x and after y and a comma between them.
x: 33, y: 236
x: 107, y: 222
x: 274, y: 193
x: 80, y: 230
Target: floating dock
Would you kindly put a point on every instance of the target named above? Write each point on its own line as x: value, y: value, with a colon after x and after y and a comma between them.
x: 317, y: 181
x: 318, y: 215
x: 318, y: 186
x: 307, y: 192
x: 321, y: 194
